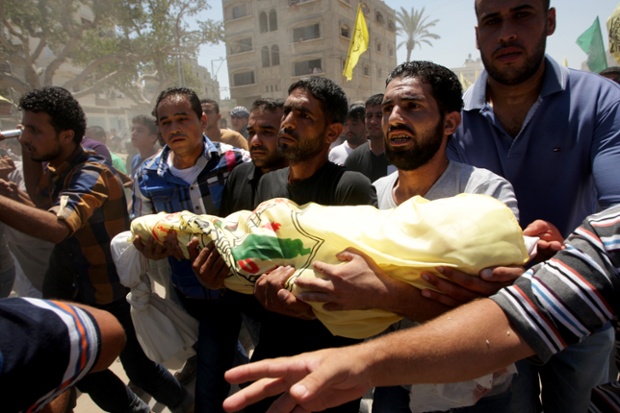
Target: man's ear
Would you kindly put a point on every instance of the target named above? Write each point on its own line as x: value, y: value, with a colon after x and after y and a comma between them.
x: 551, y: 21
x: 203, y: 121
x: 333, y: 132
x: 66, y: 136
x: 451, y: 122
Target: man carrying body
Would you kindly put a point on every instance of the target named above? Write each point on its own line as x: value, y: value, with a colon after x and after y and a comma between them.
x: 189, y: 174
x: 263, y: 128
x: 370, y: 158
x: 313, y: 114
x: 527, y: 118
x: 555, y: 305
x: 85, y: 209
x: 212, y: 110
x: 421, y: 109
x: 354, y: 133
x: 240, y: 193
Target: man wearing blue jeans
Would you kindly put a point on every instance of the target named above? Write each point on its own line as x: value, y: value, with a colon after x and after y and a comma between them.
x: 189, y: 174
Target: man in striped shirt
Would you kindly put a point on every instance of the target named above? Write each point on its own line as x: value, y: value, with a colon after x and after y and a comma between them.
x: 64, y: 340
x: 552, y: 306
x: 81, y: 207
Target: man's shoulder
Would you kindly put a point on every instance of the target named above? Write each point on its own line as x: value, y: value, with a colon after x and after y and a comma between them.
x: 230, y: 134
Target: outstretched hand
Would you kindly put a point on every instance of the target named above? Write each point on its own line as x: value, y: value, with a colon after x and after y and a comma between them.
x: 310, y: 382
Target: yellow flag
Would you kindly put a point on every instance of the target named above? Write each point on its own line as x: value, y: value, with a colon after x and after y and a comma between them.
x: 358, y: 45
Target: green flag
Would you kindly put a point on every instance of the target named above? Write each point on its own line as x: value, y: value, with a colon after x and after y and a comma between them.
x: 591, y: 42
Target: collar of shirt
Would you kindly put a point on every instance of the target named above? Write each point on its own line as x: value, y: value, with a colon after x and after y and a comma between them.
x: 555, y: 80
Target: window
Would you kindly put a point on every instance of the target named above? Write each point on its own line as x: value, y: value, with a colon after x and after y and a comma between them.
x: 366, y: 70
x: 273, y: 20
x: 390, y: 51
x: 262, y: 22
x: 241, y: 45
x: 379, y: 47
x: 275, y: 55
x: 306, y: 33
x: 264, y: 54
x: 379, y: 17
x: 391, y: 24
x: 308, y: 67
x: 345, y: 31
x: 239, y: 11
x: 243, y: 78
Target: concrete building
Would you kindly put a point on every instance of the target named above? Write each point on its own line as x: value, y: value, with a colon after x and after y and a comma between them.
x: 272, y: 43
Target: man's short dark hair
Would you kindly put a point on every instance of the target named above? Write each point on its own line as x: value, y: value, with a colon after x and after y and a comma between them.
x: 268, y: 104
x: 216, y: 105
x: 333, y: 99
x: 147, y: 121
x: 546, y: 6
x: 179, y: 91
x: 357, y: 111
x: 444, y: 83
x: 64, y: 110
x: 374, y: 100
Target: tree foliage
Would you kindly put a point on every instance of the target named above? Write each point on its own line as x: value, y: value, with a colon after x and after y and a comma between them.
x: 413, y: 26
x: 90, y: 46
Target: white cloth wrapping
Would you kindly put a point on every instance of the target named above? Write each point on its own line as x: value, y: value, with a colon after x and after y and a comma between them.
x: 165, y: 331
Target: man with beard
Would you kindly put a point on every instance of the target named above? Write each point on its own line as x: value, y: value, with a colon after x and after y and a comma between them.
x: 421, y: 109
x: 313, y: 114
x: 263, y: 128
x: 239, y: 194
x: 370, y: 158
x: 354, y: 133
x: 554, y: 133
x: 84, y: 209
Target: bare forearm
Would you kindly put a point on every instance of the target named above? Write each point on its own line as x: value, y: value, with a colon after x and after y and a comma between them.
x: 32, y: 221
x: 471, y: 341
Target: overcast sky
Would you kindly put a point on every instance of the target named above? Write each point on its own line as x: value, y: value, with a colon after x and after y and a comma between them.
x: 456, y: 22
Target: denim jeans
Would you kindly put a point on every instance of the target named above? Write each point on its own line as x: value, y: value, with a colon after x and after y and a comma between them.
x: 111, y: 394
x: 567, y: 379
x: 218, y: 331
x: 395, y: 399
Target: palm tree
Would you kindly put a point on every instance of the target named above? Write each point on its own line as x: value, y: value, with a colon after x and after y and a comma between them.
x: 414, y: 28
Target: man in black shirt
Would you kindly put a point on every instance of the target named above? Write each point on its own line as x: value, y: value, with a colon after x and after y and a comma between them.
x: 370, y: 158
x: 314, y: 112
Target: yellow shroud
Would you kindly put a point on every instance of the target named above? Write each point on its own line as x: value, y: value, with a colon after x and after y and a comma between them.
x: 469, y: 232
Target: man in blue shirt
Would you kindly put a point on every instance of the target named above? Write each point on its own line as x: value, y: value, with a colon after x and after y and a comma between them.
x: 189, y: 174
x: 554, y: 133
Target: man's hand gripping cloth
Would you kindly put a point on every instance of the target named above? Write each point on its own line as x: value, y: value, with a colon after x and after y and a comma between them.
x: 469, y: 232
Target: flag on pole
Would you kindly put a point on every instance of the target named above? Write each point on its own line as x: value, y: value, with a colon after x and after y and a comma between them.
x: 358, y: 45
x: 591, y: 42
x: 613, y: 29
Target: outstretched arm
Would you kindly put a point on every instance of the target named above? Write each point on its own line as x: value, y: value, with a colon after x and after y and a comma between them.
x: 465, y: 343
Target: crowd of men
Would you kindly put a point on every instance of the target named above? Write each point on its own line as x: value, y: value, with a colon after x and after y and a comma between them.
x: 537, y: 136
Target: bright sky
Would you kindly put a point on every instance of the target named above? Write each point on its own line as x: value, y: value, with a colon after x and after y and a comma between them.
x: 456, y: 28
